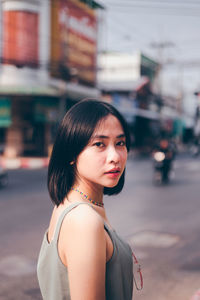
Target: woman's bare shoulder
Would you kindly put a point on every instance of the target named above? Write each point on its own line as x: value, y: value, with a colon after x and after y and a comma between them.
x: 83, y: 228
x: 83, y: 217
x: 83, y: 251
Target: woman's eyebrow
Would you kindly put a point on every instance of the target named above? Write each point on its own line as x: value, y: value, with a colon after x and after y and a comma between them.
x: 121, y: 136
x: 106, y: 137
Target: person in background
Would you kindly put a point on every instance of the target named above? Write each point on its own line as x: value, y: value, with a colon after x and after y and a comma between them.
x: 81, y: 256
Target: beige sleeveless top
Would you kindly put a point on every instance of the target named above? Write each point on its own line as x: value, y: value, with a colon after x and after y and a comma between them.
x: 53, y: 275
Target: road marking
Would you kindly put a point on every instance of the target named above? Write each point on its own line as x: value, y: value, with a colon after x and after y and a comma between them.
x: 196, y: 296
x: 154, y: 239
x: 16, y: 266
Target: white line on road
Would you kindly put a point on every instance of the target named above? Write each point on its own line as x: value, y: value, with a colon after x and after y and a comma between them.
x: 16, y: 266
x: 154, y: 239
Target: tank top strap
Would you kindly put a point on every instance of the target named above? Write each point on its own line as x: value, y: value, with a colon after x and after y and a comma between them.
x: 62, y: 216
x: 108, y: 229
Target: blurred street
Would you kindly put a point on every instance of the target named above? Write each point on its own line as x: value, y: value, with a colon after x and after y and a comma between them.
x: 143, y: 58
x: 161, y: 223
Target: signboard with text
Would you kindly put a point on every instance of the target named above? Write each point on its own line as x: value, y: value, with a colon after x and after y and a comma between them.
x: 5, y: 112
x: 74, y: 39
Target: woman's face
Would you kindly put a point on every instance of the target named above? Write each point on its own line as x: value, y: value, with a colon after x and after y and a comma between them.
x: 103, y: 160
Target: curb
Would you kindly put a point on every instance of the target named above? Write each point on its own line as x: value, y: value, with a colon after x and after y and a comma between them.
x: 24, y: 163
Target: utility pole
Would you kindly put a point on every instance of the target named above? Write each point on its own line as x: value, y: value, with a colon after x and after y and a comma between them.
x: 161, y: 46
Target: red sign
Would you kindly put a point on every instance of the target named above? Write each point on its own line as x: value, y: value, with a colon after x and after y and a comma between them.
x: 20, y: 38
x: 77, y: 27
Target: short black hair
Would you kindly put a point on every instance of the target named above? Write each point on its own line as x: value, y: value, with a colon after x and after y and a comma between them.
x: 73, y: 136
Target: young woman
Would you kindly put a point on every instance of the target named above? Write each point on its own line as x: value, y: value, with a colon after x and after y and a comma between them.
x: 82, y: 257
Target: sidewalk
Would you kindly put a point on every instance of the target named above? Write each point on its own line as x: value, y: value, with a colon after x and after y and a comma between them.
x: 38, y: 162
x: 42, y: 162
x: 24, y: 162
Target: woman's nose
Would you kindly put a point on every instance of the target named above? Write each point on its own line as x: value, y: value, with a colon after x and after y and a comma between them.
x: 113, y: 155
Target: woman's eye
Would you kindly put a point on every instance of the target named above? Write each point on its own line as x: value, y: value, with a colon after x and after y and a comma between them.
x: 99, y: 144
x: 121, y: 143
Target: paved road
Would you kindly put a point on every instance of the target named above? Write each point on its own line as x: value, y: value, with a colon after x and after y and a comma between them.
x: 161, y: 223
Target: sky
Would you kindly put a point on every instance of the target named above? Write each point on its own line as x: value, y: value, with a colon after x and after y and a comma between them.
x: 165, y: 30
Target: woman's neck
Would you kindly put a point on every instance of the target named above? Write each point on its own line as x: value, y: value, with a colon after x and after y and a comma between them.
x: 87, y: 192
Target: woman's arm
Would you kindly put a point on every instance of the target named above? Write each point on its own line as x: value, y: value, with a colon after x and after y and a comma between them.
x: 83, y: 245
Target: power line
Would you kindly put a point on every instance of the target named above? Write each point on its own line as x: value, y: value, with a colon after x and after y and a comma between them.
x: 154, y: 3
x: 152, y: 11
x: 143, y: 8
x: 150, y: 1
x: 125, y: 31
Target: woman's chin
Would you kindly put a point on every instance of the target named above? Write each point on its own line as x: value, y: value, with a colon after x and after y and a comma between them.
x: 111, y: 185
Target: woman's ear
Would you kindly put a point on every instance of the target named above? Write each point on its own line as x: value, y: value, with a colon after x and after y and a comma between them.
x: 72, y: 163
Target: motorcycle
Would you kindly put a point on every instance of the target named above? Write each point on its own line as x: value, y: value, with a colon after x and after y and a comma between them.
x: 162, y: 166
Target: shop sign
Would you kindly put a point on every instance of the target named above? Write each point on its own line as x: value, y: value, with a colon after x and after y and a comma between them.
x: 76, y: 25
x: 20, y: 38
x: 5, y: 112
x: 46, y: 110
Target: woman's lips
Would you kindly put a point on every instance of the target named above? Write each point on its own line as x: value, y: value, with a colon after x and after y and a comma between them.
x: 113, y: 173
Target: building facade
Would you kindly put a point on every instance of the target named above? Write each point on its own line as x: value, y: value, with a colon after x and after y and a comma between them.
x: 48, y: 62
x: 128, y: 82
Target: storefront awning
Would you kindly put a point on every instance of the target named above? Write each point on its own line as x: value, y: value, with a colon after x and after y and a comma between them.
x: 74, y: 90
x: 55, y: 88
x: 28, y: 90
